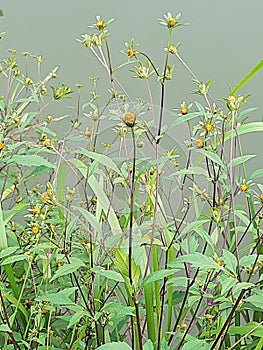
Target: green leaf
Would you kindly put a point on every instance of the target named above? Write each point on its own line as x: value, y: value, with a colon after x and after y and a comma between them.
x: 118, y: 311
x: 159, y: 275
x: 30, y: 160
x: 3, y: 236
x: 58, y: 298
x: 13, y: 300
x: 74, y: 319
x: 197, y: 260
x: 248, y: 260
x: 196, y: 345
x: 66, y: 269
x: 192, y: 227
x: 91, y: 219
x: 253, y: 71
x: 256, y: 174
x: 245, y: 129
x: 100, y: 158
x: 242, y: 159
x: 8, y: 251
x: 13, y: 259
x: 256, y: 300
x: 109, y: 274
x: 178, y: 281
x: 148, y: 345
x: 230, y: 261
x: 212, y: 156
x: 114, y: 346
x: 253, y: 328
x: 4, y: 328
x: 185, y: 118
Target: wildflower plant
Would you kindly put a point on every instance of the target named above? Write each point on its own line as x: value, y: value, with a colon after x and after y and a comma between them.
x: 120, y: 234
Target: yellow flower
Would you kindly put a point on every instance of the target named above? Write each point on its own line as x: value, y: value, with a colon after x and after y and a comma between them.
x: 35, y: 230
x: 244, y: 187
x: 184, y: 110
x: 2, y: 146
x: 87, y: 133
x: 44, y: 197
x: 219, y: 262
x: 68, y: 198
x: 208, y: 127
x: 130, y: 53
x: 46, y: 142
x: 36, y: 210
x: 199, y: 143
x: 95, y: 116
x: 100, y: 25
x: 184, y: 326
x: 171, y: 22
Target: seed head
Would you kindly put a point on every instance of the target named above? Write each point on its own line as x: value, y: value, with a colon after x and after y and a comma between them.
x: 129, y: 119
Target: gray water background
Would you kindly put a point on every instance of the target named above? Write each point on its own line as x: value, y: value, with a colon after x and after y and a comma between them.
x: 222, y: 42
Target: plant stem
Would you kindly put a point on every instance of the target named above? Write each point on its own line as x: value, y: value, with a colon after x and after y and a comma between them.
x: 163, y: 88
x: 132, y: 189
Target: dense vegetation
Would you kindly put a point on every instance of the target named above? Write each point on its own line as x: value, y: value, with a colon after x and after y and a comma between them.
x: 117, y: 235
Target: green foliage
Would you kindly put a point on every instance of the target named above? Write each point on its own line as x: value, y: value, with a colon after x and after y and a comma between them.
x: 114, y: 235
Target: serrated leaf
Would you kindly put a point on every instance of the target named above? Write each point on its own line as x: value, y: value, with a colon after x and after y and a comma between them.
x: 117, y: 312
x: 30, y: 161
x: 58, y: 298
x: 100, y: 158
x: 159, y: 275
x: 197, y: 260
x: 248, y: 260
x: 66, y: 269
x: 230, y: 261
x: 112, y: 275
x: 194, y: 170
x: 256, y: 300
